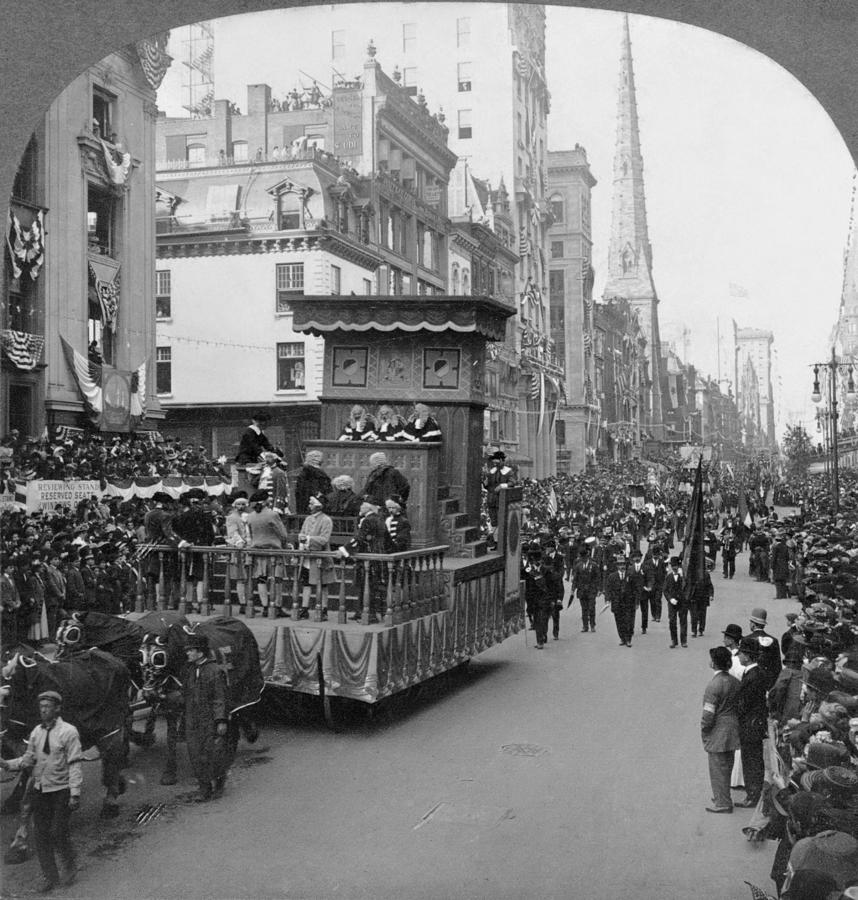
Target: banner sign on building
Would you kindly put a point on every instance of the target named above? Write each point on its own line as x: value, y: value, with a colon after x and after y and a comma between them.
x: 43, y: 496
x: 347, y: 109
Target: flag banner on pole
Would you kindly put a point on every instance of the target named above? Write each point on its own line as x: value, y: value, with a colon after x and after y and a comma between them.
x: 105, y: 279
x: 694, y: 552
x: 552, y: 502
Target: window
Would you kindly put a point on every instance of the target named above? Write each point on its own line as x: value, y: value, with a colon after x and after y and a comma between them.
x: 463, y: 32
x: 557, y: 209
x: 464, y: 76
x: 556, y: 285
x: 99, y: 220
x: 557, y: 249
x: 338, y: 44
x: 454, y: 286
x: 409, y: 80
x: 196, y: 154
x: 409, y: 37
x: 162, y: 294
x: 102, y: 114
x: 164, y: 370
x: 336, y: 279
x: 464, y: 124
x: 239, y: 151
x: 289, y: 281
x: 367, y: 287
x: 290, y: 367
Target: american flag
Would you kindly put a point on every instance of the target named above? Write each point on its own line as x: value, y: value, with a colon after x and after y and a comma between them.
x: 552, y: 502
x: 523, y: 243
x: 23, y: 350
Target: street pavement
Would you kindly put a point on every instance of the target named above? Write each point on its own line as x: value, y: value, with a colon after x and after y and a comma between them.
x: 575, y: 772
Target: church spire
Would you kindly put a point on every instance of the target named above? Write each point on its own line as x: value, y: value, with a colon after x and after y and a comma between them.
x: 630, y: 255
x: 629, y: 274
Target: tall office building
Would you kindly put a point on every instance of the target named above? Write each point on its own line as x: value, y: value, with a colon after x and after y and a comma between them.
x: 755, y: 344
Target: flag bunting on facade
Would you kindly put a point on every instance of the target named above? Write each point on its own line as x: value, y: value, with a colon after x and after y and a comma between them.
x: 154, y: 59
x: 523, y: 242
x: 541, y: 402
x: 117, y: 163
x: 67, y: 432
x: 26, y: 246
x: 23, y: 350
x: 105, y: 280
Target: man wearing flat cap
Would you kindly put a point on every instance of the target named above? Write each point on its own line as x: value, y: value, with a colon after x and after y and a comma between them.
x: 206, y: 719
x: 54, y: 754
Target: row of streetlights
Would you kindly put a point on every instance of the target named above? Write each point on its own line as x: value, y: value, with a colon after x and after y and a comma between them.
x: 833, y: 367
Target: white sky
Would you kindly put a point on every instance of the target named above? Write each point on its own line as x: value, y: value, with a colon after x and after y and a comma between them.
x: 747, y: 179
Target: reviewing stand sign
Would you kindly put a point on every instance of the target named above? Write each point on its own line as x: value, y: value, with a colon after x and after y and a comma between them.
x: 43, y: 496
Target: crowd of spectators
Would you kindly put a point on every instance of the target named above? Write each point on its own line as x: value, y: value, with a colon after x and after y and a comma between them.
x: 83, y: 456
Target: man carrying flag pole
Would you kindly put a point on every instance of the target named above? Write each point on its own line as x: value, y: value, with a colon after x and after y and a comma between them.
x: 696, y: 580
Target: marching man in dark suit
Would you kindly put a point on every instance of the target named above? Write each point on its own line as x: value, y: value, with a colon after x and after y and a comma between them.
x: 655, y: 570
x: 637, y: 577
x: 587, y: 582
x: 677, y: 605
x: 620, y: 593
x: 719, y: 728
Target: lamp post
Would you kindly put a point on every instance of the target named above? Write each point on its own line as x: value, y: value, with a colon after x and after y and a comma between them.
x: 833, y: 368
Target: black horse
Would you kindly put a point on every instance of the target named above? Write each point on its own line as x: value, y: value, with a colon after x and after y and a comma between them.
x: 95, y: 690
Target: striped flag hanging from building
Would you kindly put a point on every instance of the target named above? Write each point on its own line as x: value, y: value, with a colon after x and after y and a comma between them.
x: 523, y: 242
x: 552, y: 502
x: 22, y: 349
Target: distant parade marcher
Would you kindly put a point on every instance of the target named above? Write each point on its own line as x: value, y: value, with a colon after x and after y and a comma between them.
x: 538, y: 601
x: 719, y: 727
x: 637, y: 576
x: 421, y: 426
x: 206, y: 719
x: 586, y: 583
x: 254, y: 440
x: 553, y: 565
x: 360, y: 426
x: 701, y: 596
x: 677, y: 605
x: 620, y: 594
x: 312, y: 481
x: 728, y: 553
x: 499, y: 477
x: 54, y: 754
x: 655, y: 571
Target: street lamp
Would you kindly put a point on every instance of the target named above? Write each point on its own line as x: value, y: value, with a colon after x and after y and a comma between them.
x: 833, y: 369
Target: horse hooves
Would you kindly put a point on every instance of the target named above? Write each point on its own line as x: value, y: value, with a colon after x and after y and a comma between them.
x: 109, y: 811
x: 168, y: 778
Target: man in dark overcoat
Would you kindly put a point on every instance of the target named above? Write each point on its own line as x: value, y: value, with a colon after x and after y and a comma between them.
x: 677, y: 604
x: 620, y: 593
x: 210, y: 749
x: 719, y: 728
x: 586, y: 583
x: 780, y: 567
x: 753, y: 713
x: 655, y: 571
x: 312, y: 481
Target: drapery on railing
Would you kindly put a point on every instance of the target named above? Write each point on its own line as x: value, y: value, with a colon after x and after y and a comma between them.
x: 406, y: 585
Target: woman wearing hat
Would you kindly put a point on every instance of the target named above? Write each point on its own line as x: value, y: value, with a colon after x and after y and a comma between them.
x: 316, y: 571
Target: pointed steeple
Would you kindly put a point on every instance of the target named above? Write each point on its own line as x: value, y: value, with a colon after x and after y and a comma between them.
x: 630, y: 252
x: 630, y: 255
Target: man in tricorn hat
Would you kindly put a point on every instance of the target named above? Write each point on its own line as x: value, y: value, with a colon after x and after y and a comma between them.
x: 254, y: 440
x: 54, y: 754
x: 499, y: 477
x: 206, y: 719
